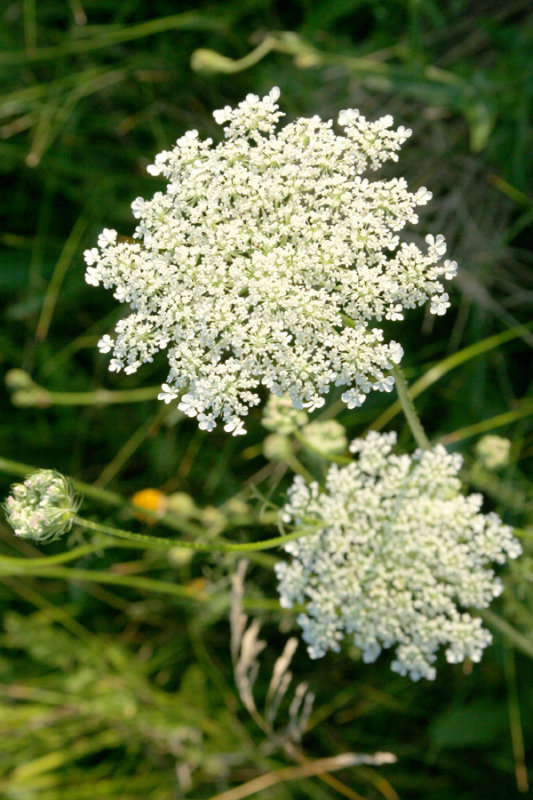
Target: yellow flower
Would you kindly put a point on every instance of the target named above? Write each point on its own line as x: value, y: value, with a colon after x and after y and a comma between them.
x: 151, y: 500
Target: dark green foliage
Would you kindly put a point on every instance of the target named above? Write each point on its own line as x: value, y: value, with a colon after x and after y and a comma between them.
x: 111, y: 691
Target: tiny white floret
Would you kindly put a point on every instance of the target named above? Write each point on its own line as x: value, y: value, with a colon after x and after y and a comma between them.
x: 107, y: 237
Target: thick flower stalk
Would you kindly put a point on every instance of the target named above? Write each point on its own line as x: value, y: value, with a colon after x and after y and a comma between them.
x: 43, y: 508
x: 401, y: 556
x: 267, y: 261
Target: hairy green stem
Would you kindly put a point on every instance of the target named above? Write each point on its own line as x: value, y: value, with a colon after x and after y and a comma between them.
x: 409, y: 409
x: 405, y: 400
x: 214, y: 545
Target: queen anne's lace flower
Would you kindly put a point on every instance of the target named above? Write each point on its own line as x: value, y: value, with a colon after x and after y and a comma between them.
x: 267, y: 261
x: 43, y: 508
x: 399, y: 557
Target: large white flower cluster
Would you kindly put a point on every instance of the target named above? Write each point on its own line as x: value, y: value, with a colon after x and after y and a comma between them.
x: 267, y: 262
x: 399, y: 556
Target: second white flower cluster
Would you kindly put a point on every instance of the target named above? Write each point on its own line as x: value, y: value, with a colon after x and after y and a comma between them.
x: 398, y: 557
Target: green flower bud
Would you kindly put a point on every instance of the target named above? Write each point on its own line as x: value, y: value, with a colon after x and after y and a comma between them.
x: 281, y: 416
x: 328, y: 437
x: 277, y: 447
x: 18, y: 379
x: 493, y: 451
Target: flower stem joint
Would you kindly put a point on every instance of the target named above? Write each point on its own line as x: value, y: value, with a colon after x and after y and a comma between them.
x: 43, y: 508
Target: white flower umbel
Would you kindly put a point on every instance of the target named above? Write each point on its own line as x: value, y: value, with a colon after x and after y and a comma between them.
x: 401, y: 556
x: 267, y: 261
x: 42, y: 508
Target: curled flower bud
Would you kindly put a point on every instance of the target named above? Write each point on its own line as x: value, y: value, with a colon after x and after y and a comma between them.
x: 42, y: 508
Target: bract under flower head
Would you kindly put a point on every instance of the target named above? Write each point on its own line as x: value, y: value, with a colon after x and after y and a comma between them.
x: 42, y: 508
x: 399, y: 557
x: 267, y: 261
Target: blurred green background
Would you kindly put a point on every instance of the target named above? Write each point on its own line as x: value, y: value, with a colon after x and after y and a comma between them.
x: 115, y: 688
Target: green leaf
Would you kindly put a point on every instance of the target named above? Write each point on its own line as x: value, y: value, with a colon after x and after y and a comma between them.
x: 478, y: 724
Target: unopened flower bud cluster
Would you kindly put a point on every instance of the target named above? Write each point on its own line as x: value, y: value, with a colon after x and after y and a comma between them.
x: 493, y: 451
x: 399, y: 557
x: 280, y: 416
x: 43, y: 507
x: 267, y: 262
x: 327, y: 436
